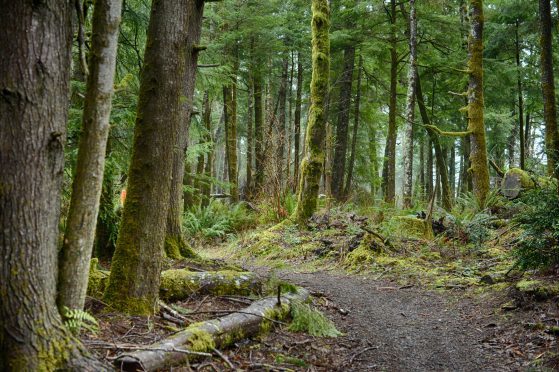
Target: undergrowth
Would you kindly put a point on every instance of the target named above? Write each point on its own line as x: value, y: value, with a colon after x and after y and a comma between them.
x: 217, y: 219
x: 311, y: 321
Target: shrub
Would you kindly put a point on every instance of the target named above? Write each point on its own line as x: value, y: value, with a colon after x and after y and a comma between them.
x: 217, y: 219
x: 538, y: 244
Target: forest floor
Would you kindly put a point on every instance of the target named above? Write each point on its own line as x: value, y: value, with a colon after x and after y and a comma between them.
x: 403, y: 305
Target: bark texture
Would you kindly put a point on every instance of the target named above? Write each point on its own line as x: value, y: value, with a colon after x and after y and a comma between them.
x: 410, y: 109
x: 311, y: 165
x: 340, y: 142
x: 35, y: 47
x: 88, y: 182
x: 520, y: 101
x: 175, y: 245
x: 136, y: 266
x: 258, y: 131
x: 478, y: 151
x: 356, y: 115
x: 297, y: 123
x: 548, y: 89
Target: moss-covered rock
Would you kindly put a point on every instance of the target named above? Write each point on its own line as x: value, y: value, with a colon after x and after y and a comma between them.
x: 98, y: 280
x: 537, y: 289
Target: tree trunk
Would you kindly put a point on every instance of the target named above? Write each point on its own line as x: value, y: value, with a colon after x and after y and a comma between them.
x: 452, y: 170
x: 429, y: 187
x: 373, y: 160
x: 250, y: 140
x: 314, y: 154
x: 410, y: 109
x: 84, y: 205
x: 35, y: 45
x: 355, y: 129
x: 422, y: 168
x: 134, y: 282
x: 478, y: 150
x: 281, y: 130
x: 258, y: 130
x: 511, y: 143
x: 175, y: 245
x: 442, y: 170
x: 520, y: 101
x: 548, y: 89
x: 340, y: 142
x: 230, y: 111
x: 297, y: 124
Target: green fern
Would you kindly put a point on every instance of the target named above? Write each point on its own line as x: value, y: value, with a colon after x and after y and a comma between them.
x: 76, y: 320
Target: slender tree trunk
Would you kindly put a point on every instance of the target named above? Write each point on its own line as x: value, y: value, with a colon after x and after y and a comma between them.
x: 452, y: 170
x: 355, y: 129
x: 548, y: 89
x: 442, y: 170
x: 340, y: 142
x: 410, y: 109
x: 512, y: 138
x: 297, y: 124
x: 373, y: 160
x: 281, y: 130
x: 35, y: 45
x: 230, y: 107
x: 527, y: 136
x: 258, y: 131
x: 422, y: 167
x: 84, y: 205
x: 389, y: 167
x: 250, y: 140
x: 429, y: 187
x: 289, y: 126
x: 478, y: 150
x: 175, y: 244
x: 520, y: 101
x: 134, y: 281
x: 311, y: 165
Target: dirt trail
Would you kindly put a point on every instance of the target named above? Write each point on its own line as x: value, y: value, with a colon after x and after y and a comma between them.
x: 407, y: 329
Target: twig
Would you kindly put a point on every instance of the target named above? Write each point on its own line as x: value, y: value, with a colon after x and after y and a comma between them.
x: 222, y: 356
x: 234, y: 299
x: 137, y: 347
x: 361, y: 352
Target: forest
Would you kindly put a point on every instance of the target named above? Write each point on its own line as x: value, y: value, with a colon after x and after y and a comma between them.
x: 279, y: 185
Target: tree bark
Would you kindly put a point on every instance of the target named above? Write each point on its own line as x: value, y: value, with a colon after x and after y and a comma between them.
x: 389, y: 167
x: 35, y: 45
x: 230, y: 111
x: 281, y: 130
x: 136, y: 266
x: 373, y: 160
x: 175, y: 245
x: 86, y: 189
x: 478, y: 150
x: 522, y: 136
x: 297, y: 123
x: 355, y: 129
x: 258, y: 130
x: 250, y: 140
x: 410, y: 109
x: 344, y: 106
x: 311, y: 165
x: 548, y: 89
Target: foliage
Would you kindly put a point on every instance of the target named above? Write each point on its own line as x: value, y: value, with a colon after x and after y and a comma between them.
x: 76, y: 320
x: 309, y: 320
x: 538, y: 244
x: 217, y: 219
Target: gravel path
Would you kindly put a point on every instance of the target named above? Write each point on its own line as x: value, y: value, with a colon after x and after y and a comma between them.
x: 407, y: 329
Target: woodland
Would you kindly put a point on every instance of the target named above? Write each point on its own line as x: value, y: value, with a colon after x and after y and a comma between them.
x: 319, y: 185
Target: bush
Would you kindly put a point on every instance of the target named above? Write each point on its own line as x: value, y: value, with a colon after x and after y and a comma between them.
x: 538, y: 244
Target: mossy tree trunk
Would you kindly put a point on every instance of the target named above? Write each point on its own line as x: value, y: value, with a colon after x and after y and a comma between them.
x: 175, y: 244
x: 373, y: 160
x: 356, y: 114
x: 478, y: 151
x: 88, y: 181
x: 205, y: 168
x: 410, y: 109
x: 389, y: 167
x: 313, y: 161
x: 297, y: 123
x: 35, y: 45
x: 230, y: 111
x: 340, y: 141
x: 136, y: 266
x: 250, y: 139
x: 548, y: 89
x: 520, y: 99
x: 281, y: 127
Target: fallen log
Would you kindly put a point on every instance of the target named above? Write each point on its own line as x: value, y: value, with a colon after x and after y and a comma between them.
x: 181, y: 283
x: 206, y: 336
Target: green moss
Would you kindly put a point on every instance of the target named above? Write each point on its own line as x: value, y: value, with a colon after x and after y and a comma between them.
x: 98, y: 280
x: 200, y: 340
x: 538, y: 289
x: 172, y: 247
x: 413, y: 226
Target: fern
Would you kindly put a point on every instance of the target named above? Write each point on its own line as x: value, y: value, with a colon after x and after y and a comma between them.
x: 76, y: 320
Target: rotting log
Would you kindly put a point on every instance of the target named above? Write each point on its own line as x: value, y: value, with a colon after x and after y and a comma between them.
x: 211, y: 334
x: 181, y: 283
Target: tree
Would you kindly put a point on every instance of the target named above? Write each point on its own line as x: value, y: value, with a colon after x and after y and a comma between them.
x: 357, y: 104
x: 476, y: 126
x: 34, y: 82
x: 297, y: 124
x: 410, y: 109
x: 88, y: 182
x: 312, y: 163
x: 548, y: 89
x: 175, y: 245
x: 134, y: 280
